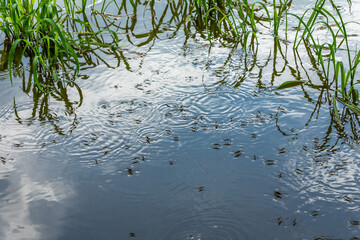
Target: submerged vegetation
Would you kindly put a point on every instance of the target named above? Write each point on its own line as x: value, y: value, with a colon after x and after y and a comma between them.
x: 53, y: 38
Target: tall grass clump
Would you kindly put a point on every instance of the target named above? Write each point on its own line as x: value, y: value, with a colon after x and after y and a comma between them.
x: 234, y: 20
x: 328, y: 50
x: 239, y: 19
x: 276, y: 15
x: 35, y: 31
x: 48, y: 36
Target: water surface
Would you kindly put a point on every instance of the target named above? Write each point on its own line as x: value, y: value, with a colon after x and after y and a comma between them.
x: 178, y: 139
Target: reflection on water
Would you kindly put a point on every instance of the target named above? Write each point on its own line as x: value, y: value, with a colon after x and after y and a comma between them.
x: 172, y: 138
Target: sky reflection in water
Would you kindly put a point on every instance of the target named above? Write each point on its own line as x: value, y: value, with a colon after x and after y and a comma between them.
x: 178, y: 140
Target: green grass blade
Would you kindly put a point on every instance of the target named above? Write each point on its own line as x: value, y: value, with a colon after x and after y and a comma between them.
x: 288, y: 84
x: 336, y: 113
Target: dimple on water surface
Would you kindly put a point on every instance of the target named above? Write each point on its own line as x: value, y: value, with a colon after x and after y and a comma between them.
x: 178, y: 139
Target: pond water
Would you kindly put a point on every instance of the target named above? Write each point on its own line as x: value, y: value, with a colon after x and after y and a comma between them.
x: 174, y: 138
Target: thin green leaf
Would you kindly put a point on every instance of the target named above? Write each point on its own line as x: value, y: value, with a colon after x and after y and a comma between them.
x: 336, y: 113
x: 288, y: 84
x: 350, y: 105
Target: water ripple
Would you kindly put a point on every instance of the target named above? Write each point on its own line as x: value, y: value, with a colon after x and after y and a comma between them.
x: 210, y: 223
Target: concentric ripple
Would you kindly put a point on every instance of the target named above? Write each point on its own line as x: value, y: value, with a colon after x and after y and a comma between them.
x: 212, y: 223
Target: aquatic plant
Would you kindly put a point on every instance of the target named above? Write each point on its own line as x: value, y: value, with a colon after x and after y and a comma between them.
x: 239, y: 19
x: 45, y: 34
x: 36, y: 31
x: 231, y: 20
x: 344, y: 78
x: 279, y: 11
x: 50, y: 37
